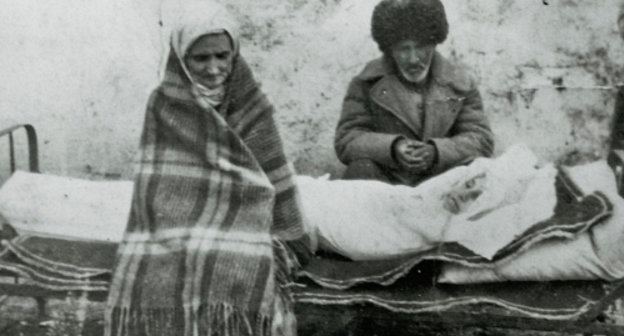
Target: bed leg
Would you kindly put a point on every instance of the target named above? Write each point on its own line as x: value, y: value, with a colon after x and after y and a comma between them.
x: 616, y: 162
x: 41, y: 306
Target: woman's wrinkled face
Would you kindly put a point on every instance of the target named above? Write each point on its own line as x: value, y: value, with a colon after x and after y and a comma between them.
x: 412, y: 59
x: 209, y: 59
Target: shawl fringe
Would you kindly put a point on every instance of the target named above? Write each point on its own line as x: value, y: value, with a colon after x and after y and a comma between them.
x: 211, y: 319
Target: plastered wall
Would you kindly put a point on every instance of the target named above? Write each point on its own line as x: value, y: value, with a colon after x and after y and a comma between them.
x: 81, y: 71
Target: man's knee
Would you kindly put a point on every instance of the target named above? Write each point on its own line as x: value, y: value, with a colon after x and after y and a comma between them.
x: 365, y: 169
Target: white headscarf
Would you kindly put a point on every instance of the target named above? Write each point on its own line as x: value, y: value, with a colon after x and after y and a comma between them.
x: 194, y: 21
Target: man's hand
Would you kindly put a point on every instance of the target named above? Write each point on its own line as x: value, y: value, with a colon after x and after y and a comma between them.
x: 426, y: 153
x: 414, y: 155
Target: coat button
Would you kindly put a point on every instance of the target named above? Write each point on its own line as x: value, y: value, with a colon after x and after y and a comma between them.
x: 383, y: 92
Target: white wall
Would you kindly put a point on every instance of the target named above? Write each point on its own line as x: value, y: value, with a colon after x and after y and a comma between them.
x: 81, y: 71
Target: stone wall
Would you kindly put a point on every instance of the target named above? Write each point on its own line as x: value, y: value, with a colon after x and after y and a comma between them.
x: 81, y: 72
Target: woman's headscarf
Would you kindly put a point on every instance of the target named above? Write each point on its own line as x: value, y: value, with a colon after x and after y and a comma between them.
x: 195, y: 21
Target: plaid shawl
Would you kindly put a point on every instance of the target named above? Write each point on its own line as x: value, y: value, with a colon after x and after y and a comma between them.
x: 214, y: 199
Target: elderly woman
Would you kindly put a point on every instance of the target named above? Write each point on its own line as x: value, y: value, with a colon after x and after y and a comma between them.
x: 214, y: 221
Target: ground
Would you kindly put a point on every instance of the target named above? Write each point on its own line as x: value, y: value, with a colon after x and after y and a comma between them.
x: 70, y: 317
x: 81, y: 72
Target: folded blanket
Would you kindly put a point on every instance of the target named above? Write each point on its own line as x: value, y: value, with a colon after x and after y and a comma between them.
x: 543, y: 300
x: 59, y: 264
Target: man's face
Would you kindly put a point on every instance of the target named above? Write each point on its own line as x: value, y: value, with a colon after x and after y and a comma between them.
x: 209, y: 60
x: 412, y: 59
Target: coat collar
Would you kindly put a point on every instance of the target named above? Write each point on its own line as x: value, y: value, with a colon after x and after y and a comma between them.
x: 444, y: 88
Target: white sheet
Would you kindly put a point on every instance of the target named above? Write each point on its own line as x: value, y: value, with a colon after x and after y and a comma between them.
x: 68, y: 207
x: 366, y: 220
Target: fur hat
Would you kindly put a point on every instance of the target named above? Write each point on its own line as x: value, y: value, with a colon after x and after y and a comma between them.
x: 396, y: 20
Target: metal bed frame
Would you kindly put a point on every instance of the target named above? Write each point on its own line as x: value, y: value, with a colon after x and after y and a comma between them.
x: 10, y: 282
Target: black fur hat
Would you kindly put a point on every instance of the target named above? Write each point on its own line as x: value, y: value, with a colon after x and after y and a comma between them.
x: 396, y: 20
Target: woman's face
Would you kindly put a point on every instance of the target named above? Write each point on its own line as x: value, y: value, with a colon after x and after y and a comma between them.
x: 209, y: 59
x: 412, y: 59
x: 463, y: 195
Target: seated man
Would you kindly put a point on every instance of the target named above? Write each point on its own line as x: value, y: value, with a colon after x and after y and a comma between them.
x: 410, y: 114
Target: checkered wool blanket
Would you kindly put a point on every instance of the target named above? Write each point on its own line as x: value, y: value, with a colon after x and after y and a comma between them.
x: 214, y: 201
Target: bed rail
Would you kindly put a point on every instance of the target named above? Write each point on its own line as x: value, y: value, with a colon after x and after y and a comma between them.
x: 31, y: 135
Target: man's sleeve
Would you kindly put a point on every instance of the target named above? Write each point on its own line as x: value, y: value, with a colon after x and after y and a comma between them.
x: 469, y: 137
x: 357, y: 136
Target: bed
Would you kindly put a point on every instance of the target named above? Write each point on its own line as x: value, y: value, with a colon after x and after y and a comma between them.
x: 413, y: 303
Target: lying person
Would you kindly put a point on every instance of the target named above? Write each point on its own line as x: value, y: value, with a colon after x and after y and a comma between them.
x: 482, y: 206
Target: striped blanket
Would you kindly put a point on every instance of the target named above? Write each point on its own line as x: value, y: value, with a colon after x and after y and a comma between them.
x: 213, y: 204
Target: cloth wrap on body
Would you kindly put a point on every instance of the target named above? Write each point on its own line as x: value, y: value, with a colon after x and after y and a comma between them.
x: 213, y: 200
